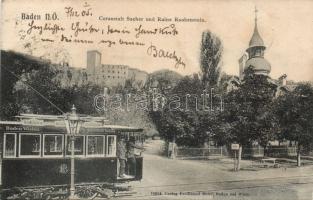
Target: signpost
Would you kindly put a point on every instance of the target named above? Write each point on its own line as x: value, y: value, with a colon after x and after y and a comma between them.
x: 235, y: 148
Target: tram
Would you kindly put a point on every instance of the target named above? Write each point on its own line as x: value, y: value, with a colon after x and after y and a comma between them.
x: 35, y: 151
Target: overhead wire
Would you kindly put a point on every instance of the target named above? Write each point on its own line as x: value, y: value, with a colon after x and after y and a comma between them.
x: 36, y: 91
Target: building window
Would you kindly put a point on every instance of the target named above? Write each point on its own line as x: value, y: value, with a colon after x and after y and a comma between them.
x: 53, y: 145
x: 108, y: 76
x: 78, y: 145
x: 30, y: 145
x: 95, y: 145
x: 9, y: 145
x: 111, y: 142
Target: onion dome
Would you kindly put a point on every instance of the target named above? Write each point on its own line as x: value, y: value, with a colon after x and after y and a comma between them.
x: 259, y: 65
x: 256, y: 60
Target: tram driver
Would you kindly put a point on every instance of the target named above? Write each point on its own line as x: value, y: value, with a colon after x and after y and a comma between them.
x: 121, y: 155
x: 130, y: 153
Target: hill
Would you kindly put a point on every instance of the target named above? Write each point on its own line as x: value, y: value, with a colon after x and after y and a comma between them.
x: 166, y: 75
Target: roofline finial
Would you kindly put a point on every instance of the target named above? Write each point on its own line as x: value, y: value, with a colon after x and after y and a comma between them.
x: 256, y: 14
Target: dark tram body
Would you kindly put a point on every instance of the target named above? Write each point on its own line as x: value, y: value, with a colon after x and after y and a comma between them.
x: 37, y: 153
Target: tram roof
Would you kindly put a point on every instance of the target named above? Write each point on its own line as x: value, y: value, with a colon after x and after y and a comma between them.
x: 56, y: 123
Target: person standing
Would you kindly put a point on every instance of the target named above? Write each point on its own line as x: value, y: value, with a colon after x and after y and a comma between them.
x: 121, y: 155
x: 131, y: 159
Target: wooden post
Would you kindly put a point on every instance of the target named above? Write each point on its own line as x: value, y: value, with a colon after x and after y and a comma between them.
x: 239, y: 157
x: 235, y: 164
x: 221, y: 151
x: 173, y: 155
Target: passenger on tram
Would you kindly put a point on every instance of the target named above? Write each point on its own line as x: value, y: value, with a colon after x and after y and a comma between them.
x: 131, y: 159
x: 121, y: 155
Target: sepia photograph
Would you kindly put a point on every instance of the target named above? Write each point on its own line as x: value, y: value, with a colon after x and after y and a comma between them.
x: 156, y: 100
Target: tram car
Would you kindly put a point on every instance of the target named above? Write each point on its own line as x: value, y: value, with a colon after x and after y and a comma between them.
x: 36, y: 152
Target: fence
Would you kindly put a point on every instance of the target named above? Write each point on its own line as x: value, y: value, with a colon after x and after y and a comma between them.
x: 282, y: 151
x: 219, y: 152
x: 200, y: 153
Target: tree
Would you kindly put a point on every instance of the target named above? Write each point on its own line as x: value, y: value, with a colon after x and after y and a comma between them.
x: 40, y: 91
x: 178, y: 124
x: 40, y: 81
x: 13, y: 65
x: 210, y: 56
x: 17, y: 66
x: 296, y: 116
x: 247, y: 116
x: 190, y: 124
x: 82, y: 96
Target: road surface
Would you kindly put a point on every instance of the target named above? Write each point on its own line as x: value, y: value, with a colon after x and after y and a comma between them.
x: 165, y: 178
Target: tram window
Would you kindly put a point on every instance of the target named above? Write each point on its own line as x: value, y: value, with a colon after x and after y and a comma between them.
x: 30, y: 145
x: 95, y: 145
x: 9, y: 145
x: 53, y: 145
x: 78, y: 145
x: 111, y: 149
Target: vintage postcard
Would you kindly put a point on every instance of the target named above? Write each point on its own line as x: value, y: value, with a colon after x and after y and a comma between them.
x: 190, y: 99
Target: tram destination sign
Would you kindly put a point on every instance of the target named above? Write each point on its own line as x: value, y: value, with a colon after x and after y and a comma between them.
x: 21, y: 128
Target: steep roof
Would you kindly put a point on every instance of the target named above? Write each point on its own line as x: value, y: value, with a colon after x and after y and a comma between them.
x: 256, y: 40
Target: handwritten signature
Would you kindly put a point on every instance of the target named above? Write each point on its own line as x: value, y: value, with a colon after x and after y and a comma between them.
x: 161, y: 53
x: 167, y: 30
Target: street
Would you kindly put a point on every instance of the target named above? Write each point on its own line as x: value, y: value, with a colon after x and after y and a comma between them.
x: 165, y: 178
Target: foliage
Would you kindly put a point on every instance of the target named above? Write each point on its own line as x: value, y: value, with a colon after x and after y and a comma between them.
x: 189, y: 124
x: 295, y: 114
x: 183, y: 119
x: 248, y: 113
x: 210, y: 56
x: 17, y: 64
x: 44, y: 80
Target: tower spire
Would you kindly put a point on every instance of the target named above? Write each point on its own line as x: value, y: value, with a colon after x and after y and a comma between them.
x: 256, y: 39
x: 256, y: 15
x: 255, y: 51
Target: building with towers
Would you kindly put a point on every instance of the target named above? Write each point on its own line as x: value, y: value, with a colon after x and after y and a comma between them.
x: 254, y: 59
x: 254, y: 56
x: 112, y: 75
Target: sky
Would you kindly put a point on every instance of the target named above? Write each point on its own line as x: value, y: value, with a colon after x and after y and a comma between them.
x: 286, y: 27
